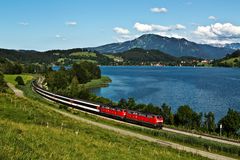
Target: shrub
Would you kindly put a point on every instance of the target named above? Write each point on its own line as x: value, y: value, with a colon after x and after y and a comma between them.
x: 19, y: 80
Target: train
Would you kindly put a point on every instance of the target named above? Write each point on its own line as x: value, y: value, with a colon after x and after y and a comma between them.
x: 149, y: 120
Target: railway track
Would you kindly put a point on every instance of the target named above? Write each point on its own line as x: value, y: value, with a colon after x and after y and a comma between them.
x: 91, y: 109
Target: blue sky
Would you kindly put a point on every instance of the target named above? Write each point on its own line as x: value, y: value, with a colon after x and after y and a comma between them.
x: 63, y: 24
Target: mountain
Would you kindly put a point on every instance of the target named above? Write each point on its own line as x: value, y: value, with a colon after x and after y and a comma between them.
x: 173, y: 46
x: 234, y: 46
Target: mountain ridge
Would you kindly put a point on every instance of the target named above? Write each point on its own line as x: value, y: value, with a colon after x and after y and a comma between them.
x: 173, y: 46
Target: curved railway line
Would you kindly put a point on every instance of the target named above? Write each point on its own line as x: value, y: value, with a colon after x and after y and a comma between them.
x: 92, y: 109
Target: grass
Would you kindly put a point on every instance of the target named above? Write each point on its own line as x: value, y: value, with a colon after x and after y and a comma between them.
x: 10, y: 78
x: 230, y: 61
x: 199, y: 143
x: 115, y: 58
x: 34, y: 132
x: 83, y: 54
x: 96, y: 83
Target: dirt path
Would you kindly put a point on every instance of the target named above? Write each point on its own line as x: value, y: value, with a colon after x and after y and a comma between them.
x: 202, y: 136
x: 146, y: 138
x: 17, y: 92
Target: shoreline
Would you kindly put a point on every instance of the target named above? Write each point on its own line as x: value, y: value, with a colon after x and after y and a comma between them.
x: 98, y: 83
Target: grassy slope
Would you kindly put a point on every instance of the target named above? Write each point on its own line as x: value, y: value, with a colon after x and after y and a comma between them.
x: 83, y: 54
x: 25, y: 135
x: 11, y: 78
x: 231, y: 61
x: 199, y: 143
x: 96, y: 83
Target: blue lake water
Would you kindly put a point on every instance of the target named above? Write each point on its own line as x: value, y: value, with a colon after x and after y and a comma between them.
x: 204, y: 89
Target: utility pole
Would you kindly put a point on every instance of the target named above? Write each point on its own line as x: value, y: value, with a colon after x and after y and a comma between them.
x: 220, y: 129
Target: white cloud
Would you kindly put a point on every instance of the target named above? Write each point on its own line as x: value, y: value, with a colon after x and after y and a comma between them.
x: 212, y: 18
x: 24, y: 23
x: 120, y: 30
x: 71, y: 23
x: 218, y: 33
x: 218, y: 30
x: 180, y: 27
x: 153, y: 27
x: 170, y: 35
x: 158, y: 10
x: 143, y: 27
x: 58, y: 36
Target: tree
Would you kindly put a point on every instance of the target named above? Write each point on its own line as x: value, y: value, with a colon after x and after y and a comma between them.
x: 74, y: 87
x: 196, y: 120
x: 80, y: 73
x: 122, y: 103
x: 209, y: 121
x: 231, y: 122
x: 57, y: 80
x: 185, y: 116
x: 3, y: 84
x: 83, y: 93
x: 131, y: 103
x: 19, y: 80
x: 166, y: 113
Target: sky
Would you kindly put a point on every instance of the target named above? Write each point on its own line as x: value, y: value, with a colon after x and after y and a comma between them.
x: 64, y: 24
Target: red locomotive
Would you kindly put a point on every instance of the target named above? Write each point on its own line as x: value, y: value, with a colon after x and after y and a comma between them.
x: 133, y: 116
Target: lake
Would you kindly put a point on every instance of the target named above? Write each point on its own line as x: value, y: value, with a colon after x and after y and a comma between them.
x: 203, y: 89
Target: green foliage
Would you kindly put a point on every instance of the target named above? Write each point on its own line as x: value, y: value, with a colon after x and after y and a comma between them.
x: 35, y: 68
x: 97, y: 83
x: 185, y: 116
x: 230, y: 60
x: 19, y: 80
x: 231, y: 122
x: 67, y: 82
x: 58, y: 57
x: 167, y: 114
x: 11, y: 68
x: 209, y: 122
x: 3, y: 84
x: 57, y: 80
x: 86, y: 71
x: 10, y: 78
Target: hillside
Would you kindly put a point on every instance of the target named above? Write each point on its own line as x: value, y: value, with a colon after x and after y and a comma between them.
x: 35, y: 132
x: 64, y: 57
x: 141, y: 55
x: 230, y: 60
x: 138, y: 56
x: 135, y: 56
x: 172, y: 46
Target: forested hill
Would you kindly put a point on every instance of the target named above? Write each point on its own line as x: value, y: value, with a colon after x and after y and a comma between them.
x: 141, y: 55
x: 134, y: 56
x: 64, y: 57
